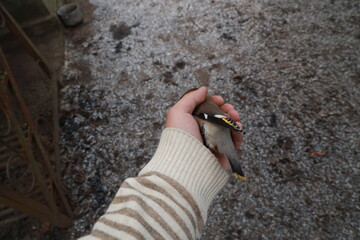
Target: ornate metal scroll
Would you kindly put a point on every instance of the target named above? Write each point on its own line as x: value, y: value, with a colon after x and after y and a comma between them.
x: 29, y: 146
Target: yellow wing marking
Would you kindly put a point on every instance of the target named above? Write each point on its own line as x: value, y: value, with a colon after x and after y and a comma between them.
x: 230, y: 122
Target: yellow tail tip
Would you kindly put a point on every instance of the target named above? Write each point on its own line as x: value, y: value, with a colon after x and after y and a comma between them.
x: 243, y: 179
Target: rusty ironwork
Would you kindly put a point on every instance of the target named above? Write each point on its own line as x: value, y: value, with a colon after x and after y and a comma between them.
x: 29, y: 156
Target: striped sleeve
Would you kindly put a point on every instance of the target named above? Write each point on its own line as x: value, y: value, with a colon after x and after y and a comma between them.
x: 170, y: 197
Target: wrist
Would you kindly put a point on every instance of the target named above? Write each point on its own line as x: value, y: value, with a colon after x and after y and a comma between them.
x: 186, y: 160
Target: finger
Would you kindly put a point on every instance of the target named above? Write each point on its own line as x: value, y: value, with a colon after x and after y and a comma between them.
x: 227, y: 107
x: 224, y: 162
x: 190, y: 100
x: 234, y: 115
x: 218, y: 100
x: 240, y: 125
x: 237, y: 137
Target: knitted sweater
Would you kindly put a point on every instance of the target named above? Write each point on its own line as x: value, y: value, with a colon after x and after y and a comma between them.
x: 170, y: 197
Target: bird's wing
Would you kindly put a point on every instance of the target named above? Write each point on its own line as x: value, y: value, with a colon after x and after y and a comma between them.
x: 222, y: 120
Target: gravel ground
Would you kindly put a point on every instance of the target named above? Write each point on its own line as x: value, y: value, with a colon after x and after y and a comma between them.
x: 291, y: 69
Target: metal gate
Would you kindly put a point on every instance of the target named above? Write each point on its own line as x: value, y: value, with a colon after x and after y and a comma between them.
x: 29, y: 145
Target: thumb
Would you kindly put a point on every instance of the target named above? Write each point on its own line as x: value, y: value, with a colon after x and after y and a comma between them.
x: 190, y: 100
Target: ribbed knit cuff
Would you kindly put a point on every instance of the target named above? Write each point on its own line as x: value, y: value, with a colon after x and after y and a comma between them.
x: 183, y: 158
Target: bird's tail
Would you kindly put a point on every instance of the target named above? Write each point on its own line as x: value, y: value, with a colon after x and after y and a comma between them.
x: 229, y: 151
x: 236, y: 169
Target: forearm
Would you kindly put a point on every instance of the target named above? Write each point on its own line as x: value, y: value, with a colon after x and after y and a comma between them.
x: 170, y: 197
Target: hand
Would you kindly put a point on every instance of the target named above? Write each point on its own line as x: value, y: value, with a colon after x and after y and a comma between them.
x: 180, y: 116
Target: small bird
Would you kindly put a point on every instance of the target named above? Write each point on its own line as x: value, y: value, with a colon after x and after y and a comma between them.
x: 215, y: 127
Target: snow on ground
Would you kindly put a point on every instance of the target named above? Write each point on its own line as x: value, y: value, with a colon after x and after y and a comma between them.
x: 291, y: 69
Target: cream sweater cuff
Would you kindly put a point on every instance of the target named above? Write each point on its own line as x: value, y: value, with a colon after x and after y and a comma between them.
x: 183, y: 158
